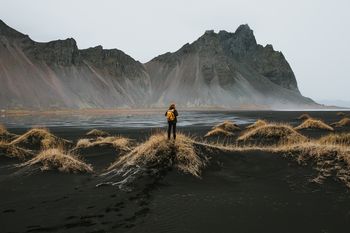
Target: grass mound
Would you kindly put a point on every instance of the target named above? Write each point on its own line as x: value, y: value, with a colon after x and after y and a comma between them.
x: 57, y: 159
x: 314, y: 124
x: 227, y: 125
x: 271, y: 134
x: 218, y: 132
x: 339, y: 139
x: 97, y: 133
x: 38, y: 138
x: 118, y: 142
x: 257, y: 124
x: 341, y: 114
x: 343, y: 122
x: 226, y: 129
x: 159, y: 152
x: 3, y: 129
x: 304, y: 116
x: 5, y: 135
x: 13, y: 151
x: 329, y: 160
x: 328, y: 157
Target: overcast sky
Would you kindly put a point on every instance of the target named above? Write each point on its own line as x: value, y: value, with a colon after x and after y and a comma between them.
x: 313, y: 35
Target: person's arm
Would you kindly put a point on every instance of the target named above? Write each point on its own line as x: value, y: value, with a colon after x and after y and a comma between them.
x: 165, y: 113
x: 175, y: 113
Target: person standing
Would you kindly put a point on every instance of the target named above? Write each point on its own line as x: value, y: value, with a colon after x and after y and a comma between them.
x: 171, y: 115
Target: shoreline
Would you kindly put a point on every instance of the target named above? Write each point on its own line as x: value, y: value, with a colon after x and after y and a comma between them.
x: 116, y: 111
x: 135, y: 111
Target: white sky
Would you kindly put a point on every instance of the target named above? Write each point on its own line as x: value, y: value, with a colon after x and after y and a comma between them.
x: 313, y: 35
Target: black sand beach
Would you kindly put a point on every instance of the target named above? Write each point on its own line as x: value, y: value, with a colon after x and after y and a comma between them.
x: 237, y: 192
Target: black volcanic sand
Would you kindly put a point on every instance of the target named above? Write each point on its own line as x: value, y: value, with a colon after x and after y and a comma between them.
x: 238, y: 192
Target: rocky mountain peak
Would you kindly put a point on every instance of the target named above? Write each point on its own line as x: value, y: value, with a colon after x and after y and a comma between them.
x: 9, y: 32
x: 208, y: 36
x: 245, y: 33
x: 237, y: 44
x: 244, y: 29
x: 115, y: 61
x: 241, y: 42
x: 57, y: 52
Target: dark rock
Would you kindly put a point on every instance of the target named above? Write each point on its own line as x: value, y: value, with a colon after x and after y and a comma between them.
x: 59, y: 52
x: 7, y: 31
x: 115, y: 61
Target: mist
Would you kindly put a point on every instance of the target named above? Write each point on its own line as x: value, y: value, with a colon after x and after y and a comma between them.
x: 312, y: 35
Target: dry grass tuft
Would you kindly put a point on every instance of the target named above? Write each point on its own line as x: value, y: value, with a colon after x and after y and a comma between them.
x: 336, y: 139
x: 271, y: 134
x: 97, y: 133
x: 39, y: 138
x: 83, y: 143
x: 160, y: 152
x: 2, y: 129
x: 118, y: 142
x: 314, y: 124
x: 328, y: 160
x: 218, y: 132
x: 226, y: 129
x: 227, y: 125
x: 341, y: 114
x: 5, y: 135
x: 343, y: 122
x: 57, y: 159
x: 304, y: 116
x: 14, y: 151
x: 257, y: 124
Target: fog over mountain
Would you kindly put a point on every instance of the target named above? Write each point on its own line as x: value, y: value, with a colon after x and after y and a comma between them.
x: 218, y: 70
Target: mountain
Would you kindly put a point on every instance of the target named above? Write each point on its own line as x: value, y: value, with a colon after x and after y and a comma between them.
x: 225, y: 69
x: 59, y: 75
x: 219, y: 69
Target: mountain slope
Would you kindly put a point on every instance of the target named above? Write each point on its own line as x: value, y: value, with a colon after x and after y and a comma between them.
x: 219, y: 69
x: 225, y: 69
x: 59, y: 75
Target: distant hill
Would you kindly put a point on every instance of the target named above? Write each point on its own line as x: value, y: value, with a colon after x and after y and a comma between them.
x: 217, y: 70
x: 338, y: 103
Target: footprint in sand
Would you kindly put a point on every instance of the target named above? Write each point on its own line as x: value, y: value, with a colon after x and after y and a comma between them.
x: 9, y: 211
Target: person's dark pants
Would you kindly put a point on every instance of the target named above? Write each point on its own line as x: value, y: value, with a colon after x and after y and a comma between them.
x: 172, y: 125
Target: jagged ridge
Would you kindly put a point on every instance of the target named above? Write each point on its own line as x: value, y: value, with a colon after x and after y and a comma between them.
x: 59, y: 75
x: 225, y: 69
x: 219, y: 69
